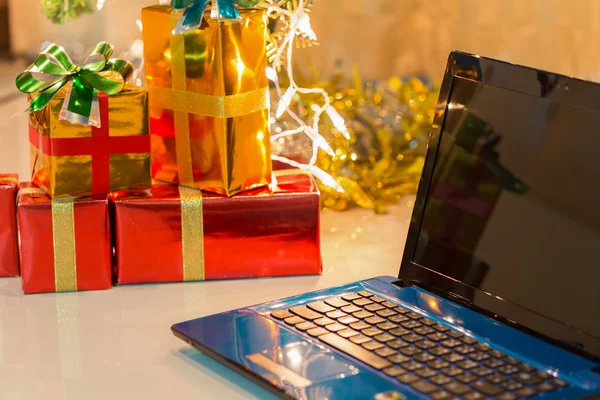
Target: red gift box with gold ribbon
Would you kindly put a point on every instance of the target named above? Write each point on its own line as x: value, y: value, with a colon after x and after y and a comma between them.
x: 9, y: 259
x: 174, y: 233
x: 64, y: 243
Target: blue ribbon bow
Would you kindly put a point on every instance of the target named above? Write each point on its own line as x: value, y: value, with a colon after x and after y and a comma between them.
x: 222, y: 10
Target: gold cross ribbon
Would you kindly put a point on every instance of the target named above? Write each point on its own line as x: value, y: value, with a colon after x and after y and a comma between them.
x: 192, y: 234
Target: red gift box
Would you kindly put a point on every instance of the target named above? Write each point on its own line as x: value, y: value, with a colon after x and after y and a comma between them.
x: 9, y: 258
x: 64, y: 243
x: 173, y: 233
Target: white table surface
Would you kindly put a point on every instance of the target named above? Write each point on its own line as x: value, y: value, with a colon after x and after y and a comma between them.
x: 116, y: 344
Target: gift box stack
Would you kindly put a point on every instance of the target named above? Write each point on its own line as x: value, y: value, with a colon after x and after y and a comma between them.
x: 168, y: 183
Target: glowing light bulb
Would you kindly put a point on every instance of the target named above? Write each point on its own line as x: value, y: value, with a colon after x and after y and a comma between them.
x: 272, y: 74
x: 319, y: 140
x: 338, y: 121
x: 285, y: 101
x: 325, y: 178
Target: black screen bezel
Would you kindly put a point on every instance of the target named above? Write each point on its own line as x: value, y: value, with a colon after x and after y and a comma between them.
x: 541, y: 84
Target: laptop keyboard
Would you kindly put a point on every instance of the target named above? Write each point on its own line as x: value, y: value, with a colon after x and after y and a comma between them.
x: 432, y: 358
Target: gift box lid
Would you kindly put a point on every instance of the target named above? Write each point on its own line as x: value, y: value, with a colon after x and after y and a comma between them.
x: 9, y: 181
x: 31, y: 195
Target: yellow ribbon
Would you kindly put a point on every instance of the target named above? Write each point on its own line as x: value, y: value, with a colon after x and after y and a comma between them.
x: 63, y: 236
x: 192, y: 234
x: 8, y: 179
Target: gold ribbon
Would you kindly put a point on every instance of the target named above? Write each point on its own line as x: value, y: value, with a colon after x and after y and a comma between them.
x: 192, y: 234
x: 63, y: 236
x: 234, y: 105
x: 9, y: 179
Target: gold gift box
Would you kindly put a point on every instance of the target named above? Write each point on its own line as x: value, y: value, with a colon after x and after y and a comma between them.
x: 61, y: 175
x: 209, y: 100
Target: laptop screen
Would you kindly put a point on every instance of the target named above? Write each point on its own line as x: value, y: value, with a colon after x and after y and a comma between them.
x: 513, y: 207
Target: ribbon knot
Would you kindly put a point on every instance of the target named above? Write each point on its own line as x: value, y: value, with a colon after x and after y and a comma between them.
x: 52, y: 69
x: 222, y: 10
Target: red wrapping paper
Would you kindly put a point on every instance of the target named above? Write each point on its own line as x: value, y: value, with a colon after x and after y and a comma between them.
x: 9, y: 258
x: 37, y: 247
x: 265, y: 232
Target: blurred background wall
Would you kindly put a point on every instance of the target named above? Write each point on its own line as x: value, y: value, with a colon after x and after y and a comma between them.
x: 381, y: 37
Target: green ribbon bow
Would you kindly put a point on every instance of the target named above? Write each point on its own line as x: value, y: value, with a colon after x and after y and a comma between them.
x: 222, y: 10
x: 52, y: 69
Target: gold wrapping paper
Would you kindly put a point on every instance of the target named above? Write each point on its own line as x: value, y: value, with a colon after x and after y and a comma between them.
x: 208, y: 101
x: 61, y: 176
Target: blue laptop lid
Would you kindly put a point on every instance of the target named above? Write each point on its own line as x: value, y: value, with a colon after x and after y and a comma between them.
x: 507, y: 216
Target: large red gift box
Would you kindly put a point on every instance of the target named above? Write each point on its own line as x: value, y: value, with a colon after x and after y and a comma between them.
x: 64, y: 243
x: 172, y: 233
x: 9, y: 259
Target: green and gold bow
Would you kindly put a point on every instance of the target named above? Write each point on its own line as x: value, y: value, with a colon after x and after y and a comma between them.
x: 222, y: 10
x: 52, y: 69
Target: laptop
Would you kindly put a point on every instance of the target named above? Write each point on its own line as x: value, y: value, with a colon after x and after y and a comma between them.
x: 498, y: 293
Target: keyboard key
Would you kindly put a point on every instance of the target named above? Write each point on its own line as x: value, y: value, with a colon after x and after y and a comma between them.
x: 281, y: 314
x: 425, y: 344
x: 493, y: 363
x: 452, y: 371
x: 386, y: 326
x: 305, y: 312
x: 424, y: 357
x: 377, y: 299
x: 414, y: 315
x: 479, y: 356
x: 294, y: 320
x: 360, y: 339
x: 411, y: 324
x: 508, y: 369
x: 412, y: 365
x: 511, y: 360
x: 385, y: 352
x: 401, y: 310
x: 317, y: 332
x: 424, y: 387
x: 427, y: 321
x: 507, y: 396
x: 467, y: 364
x: 394, y: 371
x: 456, y: 388
x: 559, y: 383
x: 440, y: 379
x: 439, y: 351
x: 441, y: 395
x: 362, y: 314
x: 362, y: 301
x: 468, y: 340
x: 355, y: 351
x: 320, y: 306
x: 411, y: 338
x: 496, y: 353
x: 526, y: 367
x: 410, y: 351
x: 323, y: 321
x: 371, y: 331
x: 424, y: 330
x: 384, y: 337
x: 526, y: 392
x: 386, y: 312
x: 336, y: 302
x: 425, y: 372
x: 450, y: 343
x: 473, y: 396
x: 351, y: 296
x: 486, y: 388
x: 347, y: 320
x: 544, y: 387
x: 465, y: 378
x: 375, y: 319
x: 455, y: 335
x: 441, y: 328
x: 399, y: 318
x: 438, y: 364
x: 372, y: 345
x: 542, y: 375
x: 483, y: 346
x: 397, y: 344
x: 336, y: 314
x: 511, y: 385
x: 495, y: 378
x: 526, y: 378
x: 304, y: 326
x: 436, y: 337
x: 453, y: 357
x: 374, y: 307
x: 481, y: 371
x: 346, y: 333
x: 359, y: 326
x: 389, y: 304
x: 398, y: 358
x: 399, y: 331
x: 464, y: 349
x: 407, y: 378
x: 335, y: 327
x: 350, y: 309
x: 364, y: 293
